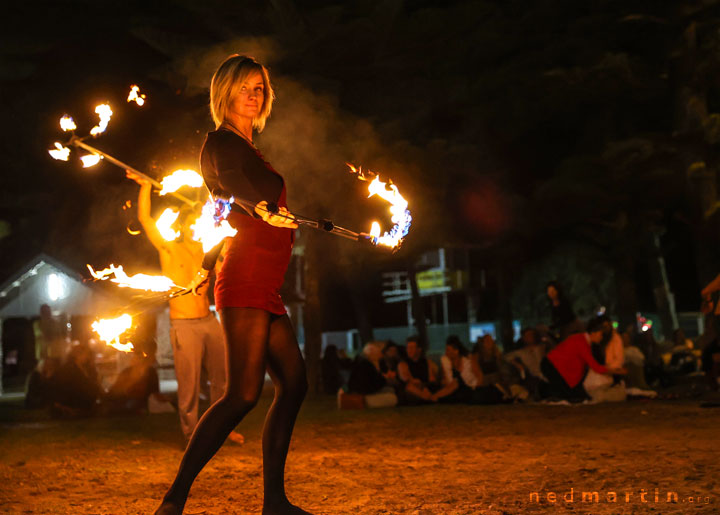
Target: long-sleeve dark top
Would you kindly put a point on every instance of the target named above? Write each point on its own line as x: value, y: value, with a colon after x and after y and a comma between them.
x: 232, y: 166
x: 562, y: 314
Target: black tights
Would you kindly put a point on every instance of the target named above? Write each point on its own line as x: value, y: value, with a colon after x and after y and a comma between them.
x: 256, y: 341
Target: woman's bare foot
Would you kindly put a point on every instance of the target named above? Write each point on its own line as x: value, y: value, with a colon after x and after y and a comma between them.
x: 236, y: 438
x: 169, y: 508
x: 282, y: 507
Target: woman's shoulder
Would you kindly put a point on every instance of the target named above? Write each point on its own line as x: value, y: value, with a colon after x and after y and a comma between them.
x: 223, y: 138
x: 223, y: 145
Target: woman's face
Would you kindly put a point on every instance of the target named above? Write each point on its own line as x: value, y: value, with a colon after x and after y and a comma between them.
x: 488, y: 343
x: 552, y: 292
x: 451, y: 352
x: 249, y: 99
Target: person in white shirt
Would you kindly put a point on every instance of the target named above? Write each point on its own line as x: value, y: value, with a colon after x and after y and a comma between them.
x: 459, y: 381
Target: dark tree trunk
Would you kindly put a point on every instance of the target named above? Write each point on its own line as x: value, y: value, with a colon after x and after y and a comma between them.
x: 691, y: 117
x: 626, y: 291
x: 664, y: 299
x: 418, y: 309
x: 313, y: 314
x: 505, y: 314
x: 359, y: 304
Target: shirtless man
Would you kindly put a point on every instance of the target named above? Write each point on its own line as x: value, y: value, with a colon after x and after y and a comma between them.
x: 196, y: 335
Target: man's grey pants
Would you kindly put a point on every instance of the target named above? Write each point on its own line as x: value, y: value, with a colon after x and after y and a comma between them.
x: 197, y: 341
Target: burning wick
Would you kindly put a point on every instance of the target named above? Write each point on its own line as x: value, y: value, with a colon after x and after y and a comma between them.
x: 210, y: 231
x: 90, y: 160
x: 59, y: 152
x: 109, y: 330
x: 133, y: 96
x: 104, y: 112
x: 180, y: 178
x: 67, y: 123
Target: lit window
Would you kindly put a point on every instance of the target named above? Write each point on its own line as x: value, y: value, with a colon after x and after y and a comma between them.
x: 55, y: 287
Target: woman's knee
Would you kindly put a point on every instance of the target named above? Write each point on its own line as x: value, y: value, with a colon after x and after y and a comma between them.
x: 302, y: 387
x: 295, y: 388
x: 241, y: 402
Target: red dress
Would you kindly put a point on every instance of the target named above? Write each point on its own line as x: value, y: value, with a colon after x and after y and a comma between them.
x: 258, y: 255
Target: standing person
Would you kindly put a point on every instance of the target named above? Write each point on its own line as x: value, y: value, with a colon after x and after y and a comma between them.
x: 564, y: 321
x: 50, y: 335
x: 258, y: 333
x: 195, y: 333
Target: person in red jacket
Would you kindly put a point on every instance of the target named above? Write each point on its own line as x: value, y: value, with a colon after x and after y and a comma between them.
x: 565, y: 366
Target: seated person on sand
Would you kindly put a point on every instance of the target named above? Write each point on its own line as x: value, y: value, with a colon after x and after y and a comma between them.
x: 76, y: 385
x: 565, y: 366
x: 710, y: 339
x: 525, y: 363
x: 367, y: 379
x: 711, y: 363
x: 603, y: 387
x: 39, y: 387
x: 365, y: 375
x: 683, y: 358
x: 492, y: 371
x: 134, y: 386
x: 390, y: 361
x: 459, y: 381
x: 333, y: 366
x: 417, y: 373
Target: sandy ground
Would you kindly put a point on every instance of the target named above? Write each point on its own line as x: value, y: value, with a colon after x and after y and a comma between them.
x: 423, y: 460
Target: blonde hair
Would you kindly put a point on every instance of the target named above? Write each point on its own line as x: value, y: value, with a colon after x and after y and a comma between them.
x: 228, y: 80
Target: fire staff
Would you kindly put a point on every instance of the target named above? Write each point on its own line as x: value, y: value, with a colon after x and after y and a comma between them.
x: 259, y: 336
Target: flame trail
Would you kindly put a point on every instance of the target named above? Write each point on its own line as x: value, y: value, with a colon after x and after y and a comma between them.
x: 109, y: 330
x: 398, y: 209
x: 157, y: 283
x: 180, y: 178
x: 59, y: 152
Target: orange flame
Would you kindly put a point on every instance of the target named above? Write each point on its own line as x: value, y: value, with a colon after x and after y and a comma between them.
x: 164, y: 224
x: 207, y: 231
x: 398, y: 208
x: 180, y: 178
x: 104, y: 112
x: 158, y: 283
x: 89, y: 160
x: 109, y: 330
x: 139, y: 99
x: 67, y: 123
x: 59, y: 152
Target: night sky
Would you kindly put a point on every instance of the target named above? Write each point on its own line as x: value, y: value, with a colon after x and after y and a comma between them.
x: 524, y: 132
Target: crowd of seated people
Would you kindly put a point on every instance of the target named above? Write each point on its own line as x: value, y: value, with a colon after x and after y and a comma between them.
x: 597, y: 364
x: 70, y: 386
